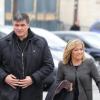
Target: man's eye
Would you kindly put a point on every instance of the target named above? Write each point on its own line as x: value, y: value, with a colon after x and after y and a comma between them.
x: 22, y: 25
x: 16, y: 25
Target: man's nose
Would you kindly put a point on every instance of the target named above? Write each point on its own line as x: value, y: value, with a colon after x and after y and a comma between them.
x: 19, y: 27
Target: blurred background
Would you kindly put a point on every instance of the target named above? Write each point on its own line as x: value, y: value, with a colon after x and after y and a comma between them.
x: 52, y: 14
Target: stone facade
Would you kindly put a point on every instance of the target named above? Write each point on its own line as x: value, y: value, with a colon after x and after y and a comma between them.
x: 88, y: 12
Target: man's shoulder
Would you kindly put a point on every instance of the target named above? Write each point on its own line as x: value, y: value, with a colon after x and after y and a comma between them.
x: 3, y: 41
x: 7, y: 37
x: 38, y: 38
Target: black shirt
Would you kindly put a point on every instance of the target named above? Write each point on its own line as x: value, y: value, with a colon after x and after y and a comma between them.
x: 76, y: 90
x: 23, y: 43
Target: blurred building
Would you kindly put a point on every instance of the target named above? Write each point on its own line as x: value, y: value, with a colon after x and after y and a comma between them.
x: 87, y: 12
x: 2, y: 16
x: 52, y: 14
x: 43, y: 13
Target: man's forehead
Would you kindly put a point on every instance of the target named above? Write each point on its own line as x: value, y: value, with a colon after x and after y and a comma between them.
x: 20, y: 22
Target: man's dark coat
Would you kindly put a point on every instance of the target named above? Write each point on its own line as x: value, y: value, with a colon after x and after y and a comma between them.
x: 35, y: 61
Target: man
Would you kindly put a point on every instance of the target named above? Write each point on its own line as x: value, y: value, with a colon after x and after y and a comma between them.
x: 25, y: 61
x: 75, y: 26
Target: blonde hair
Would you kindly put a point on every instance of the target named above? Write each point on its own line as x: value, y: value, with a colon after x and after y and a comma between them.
x: 68, y: 50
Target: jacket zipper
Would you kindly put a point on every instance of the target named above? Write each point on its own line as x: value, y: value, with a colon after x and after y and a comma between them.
x: 22, y: 56
x: 23, y: 74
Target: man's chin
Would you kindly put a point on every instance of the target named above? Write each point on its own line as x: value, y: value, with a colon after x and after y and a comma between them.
x: 19, y: 34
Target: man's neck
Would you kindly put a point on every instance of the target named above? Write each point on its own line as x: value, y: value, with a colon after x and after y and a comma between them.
x: 23, y: 37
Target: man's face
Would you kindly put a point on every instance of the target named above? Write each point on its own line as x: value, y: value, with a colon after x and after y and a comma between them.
x: 21, y: 28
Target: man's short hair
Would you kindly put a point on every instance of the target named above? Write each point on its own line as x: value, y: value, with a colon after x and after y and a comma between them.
x: 21, y: 17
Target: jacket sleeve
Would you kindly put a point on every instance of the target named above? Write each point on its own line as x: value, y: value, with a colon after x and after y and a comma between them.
x: 60, y: 74
x: 47, y: 65
x: 95, y: 73
x: 3, y: 74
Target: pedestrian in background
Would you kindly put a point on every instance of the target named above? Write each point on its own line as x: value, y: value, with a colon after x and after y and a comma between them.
x: 25, y: 61
x: 75, y: 26
x: 76, y: 70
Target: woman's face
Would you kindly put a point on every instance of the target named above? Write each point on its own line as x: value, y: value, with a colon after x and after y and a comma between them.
x: 78, y: 52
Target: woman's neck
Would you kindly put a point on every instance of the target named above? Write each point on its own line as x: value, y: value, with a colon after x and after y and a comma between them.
x: 76, y: 62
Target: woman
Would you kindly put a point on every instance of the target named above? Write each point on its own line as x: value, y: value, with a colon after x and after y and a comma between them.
x: 78, y: 70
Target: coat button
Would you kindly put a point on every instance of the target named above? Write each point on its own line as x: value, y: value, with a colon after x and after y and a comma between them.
x: 33, y: 51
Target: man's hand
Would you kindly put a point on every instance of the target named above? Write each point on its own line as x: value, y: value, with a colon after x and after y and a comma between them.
x: 11, y: 80
x: 24, y: 83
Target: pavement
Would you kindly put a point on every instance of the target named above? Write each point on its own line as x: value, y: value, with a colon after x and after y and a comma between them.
x: 96, y: 94
x: 44, y: 95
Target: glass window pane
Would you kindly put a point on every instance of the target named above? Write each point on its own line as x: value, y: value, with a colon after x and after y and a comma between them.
x: 25, y: 5
x: 8, y: 6
x: 45, y: 6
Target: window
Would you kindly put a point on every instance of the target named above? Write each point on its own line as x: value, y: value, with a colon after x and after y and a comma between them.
x: 45, y: 6
x: 8, y: 6
x: 25, y: 5
x: 42, y: 13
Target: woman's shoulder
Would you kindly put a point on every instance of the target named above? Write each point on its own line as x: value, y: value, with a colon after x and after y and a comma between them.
x: 61, y: 64
x: 89, y: 61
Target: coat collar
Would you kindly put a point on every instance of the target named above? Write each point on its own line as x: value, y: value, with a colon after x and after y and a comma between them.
x: 31, y: 36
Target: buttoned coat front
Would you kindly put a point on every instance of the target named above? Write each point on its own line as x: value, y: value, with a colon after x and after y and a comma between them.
x: 85, y: 73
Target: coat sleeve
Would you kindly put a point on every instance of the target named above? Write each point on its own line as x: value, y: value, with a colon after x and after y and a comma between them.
x: 47, y: 65
x: 60, y: 74
x: 94, y: 73
x: 3, y: 74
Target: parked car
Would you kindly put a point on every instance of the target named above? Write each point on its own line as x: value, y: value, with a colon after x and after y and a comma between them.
x: 56, y: 46
x: 90, y: 40
x: 95, y: 27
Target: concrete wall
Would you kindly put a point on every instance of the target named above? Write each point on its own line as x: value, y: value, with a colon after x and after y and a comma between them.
x: 87, y: 9
x: 66, y: 11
